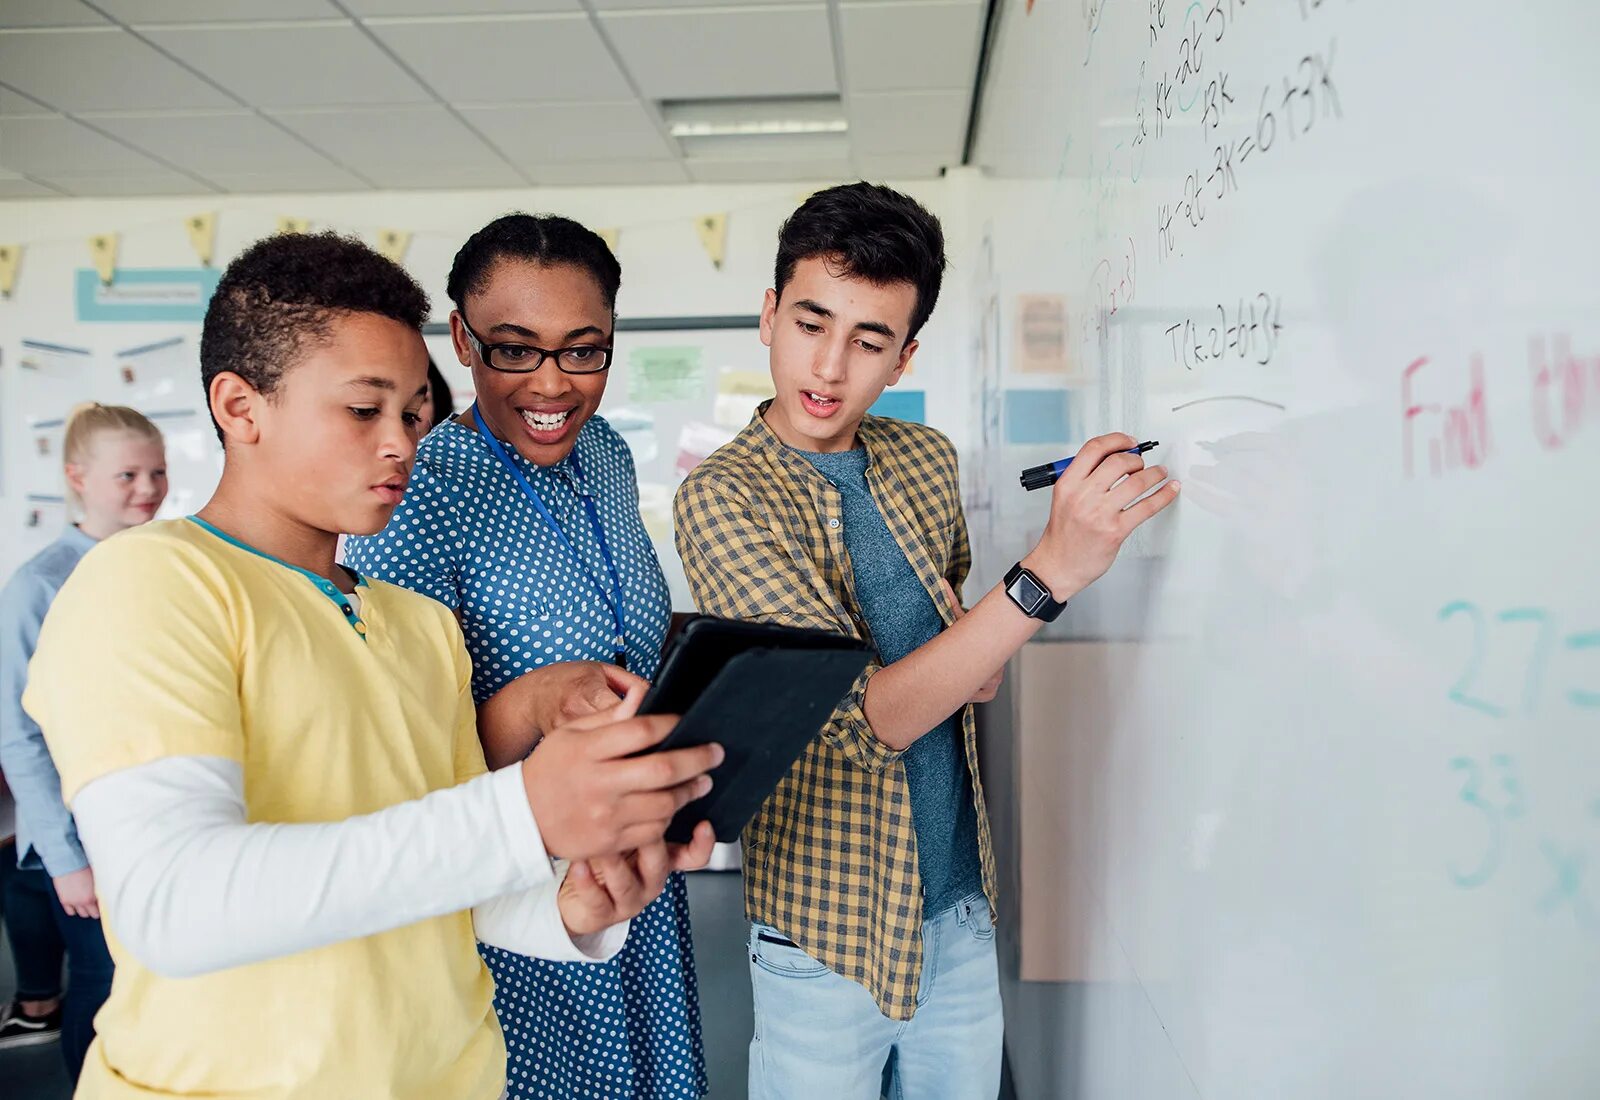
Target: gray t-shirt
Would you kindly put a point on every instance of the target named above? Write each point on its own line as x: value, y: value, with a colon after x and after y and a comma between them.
x: 902, y: 618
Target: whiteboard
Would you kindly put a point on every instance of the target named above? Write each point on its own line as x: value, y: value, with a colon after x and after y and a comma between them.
x: 1339, y: 257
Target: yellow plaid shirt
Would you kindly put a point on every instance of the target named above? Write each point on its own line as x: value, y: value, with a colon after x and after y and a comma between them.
x: 831, y: 859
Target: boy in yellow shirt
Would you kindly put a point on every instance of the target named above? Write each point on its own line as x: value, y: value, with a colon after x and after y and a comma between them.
x: 274, y: 763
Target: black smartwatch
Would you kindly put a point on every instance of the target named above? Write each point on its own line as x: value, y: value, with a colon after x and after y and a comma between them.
x: 1032, y: 595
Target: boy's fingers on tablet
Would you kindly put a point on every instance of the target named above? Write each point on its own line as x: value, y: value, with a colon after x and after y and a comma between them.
x: 656, y: 808
x: 658, y: 771
x: 616, y: 738
x: 697, y: 853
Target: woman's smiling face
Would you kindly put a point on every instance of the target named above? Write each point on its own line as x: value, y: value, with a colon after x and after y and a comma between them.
x: 550, y: 306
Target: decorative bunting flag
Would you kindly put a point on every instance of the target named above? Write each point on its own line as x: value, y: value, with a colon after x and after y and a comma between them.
x: 203, y: 236
x: 10, y: 260
x: 393, y: 243
x: 713, y: 230
x: 103, y: 247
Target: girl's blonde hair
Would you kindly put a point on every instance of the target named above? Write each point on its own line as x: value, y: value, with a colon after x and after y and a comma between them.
x: 90, y: 419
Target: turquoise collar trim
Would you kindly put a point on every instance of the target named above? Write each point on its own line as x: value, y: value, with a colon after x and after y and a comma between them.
x: 322, y: 584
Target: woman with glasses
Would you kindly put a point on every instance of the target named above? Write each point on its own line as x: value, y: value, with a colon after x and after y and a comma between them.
x: 523, y: 515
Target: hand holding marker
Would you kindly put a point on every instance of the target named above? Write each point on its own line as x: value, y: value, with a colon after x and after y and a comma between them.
x: 1042, y: 477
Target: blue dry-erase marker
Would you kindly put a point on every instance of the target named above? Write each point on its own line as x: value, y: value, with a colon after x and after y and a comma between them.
x: 1042, y: 477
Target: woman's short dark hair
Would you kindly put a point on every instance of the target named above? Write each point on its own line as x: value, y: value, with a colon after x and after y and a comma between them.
x: 537, y: 238
x: 283, y: 293
x: 872, y: 233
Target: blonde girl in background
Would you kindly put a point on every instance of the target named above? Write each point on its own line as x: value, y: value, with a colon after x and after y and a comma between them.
x: 116, y: 472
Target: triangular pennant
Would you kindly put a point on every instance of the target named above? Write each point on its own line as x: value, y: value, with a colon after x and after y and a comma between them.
x: 287, y: 224
x: 612, y: 237
x: 393, y: 243
x: 203, y: 236
x: 103, y: 247
x: 713, y: 230
x: 10, y: 260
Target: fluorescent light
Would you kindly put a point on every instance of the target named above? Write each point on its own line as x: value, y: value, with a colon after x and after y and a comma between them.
x: 744, y: 118
x: 760, y: 126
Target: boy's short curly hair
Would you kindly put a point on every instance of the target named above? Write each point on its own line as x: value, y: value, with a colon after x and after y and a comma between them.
x: 283, y: 293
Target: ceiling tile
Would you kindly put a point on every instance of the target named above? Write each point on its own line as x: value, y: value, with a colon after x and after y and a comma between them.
x: 55, y: 146
x: 379, y: 140
x: 100, y: 70
x: 914, y: 166
x: 750, y: 171
x: 821, y: 148
x: 47, y: 13
x: 428, y: 174
x: 144, y: 12
x: 227, y: 141
x: 288, y: 66
x: 330, y: 178
x: 911, y: 47
x: 13, y: 104
x: 642, y: 5
x: 702, y: 54
x: 381, y: 8
x: 142, y: 183
x: 602, y: 173
x: 538, y: 134
x: 908, y: 122
x: 15, y: 187
x: 548, y: 58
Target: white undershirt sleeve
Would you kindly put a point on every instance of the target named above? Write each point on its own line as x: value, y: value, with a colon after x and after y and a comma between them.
x: 190, y: 886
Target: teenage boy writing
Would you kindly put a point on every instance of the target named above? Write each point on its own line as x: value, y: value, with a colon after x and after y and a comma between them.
x: 869, y: 872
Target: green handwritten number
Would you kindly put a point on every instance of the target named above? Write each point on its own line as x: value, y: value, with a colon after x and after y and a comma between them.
x: 1539, y: 656
x: 1458, y: 693
x: 1578, y: 696
x: 1516, y: 801
x: 1469, y: 880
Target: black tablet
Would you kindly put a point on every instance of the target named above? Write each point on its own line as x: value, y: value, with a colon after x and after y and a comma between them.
x: 762, y: 692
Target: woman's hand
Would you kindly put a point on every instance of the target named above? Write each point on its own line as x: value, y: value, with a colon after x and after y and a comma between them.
x: 511, y: 721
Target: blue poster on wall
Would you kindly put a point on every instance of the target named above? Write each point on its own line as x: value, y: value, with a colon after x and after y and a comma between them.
x: 146, y: 294
x: 902, y: 405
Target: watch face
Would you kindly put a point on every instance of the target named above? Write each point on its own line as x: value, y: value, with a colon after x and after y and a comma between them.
x: 1028, y: 593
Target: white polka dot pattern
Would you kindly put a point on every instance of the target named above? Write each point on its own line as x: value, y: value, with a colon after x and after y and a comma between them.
x: 467, y: 536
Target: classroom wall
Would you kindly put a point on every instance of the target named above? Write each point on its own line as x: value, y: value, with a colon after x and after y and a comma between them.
x: 665, y: 273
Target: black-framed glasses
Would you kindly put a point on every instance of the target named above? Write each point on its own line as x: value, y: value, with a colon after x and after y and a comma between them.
x: 525, y: 358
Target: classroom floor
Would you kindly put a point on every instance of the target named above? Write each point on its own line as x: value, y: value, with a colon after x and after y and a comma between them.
x: 717, y: 913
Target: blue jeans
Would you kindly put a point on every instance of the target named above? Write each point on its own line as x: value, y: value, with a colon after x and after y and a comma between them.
x: 33, y: 913
x: 821, y: 1035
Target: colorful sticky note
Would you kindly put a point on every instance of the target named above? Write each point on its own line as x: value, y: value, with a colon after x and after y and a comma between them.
x: 1037, y: 416
x: 665, y: 374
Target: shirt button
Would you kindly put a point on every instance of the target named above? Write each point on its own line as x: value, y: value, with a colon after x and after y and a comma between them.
x: 833, y: 524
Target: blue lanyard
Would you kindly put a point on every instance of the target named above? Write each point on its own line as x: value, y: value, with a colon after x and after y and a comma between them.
x: 619, y: 640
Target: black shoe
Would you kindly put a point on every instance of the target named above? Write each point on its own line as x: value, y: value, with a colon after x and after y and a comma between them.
x: 18, y: 1029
